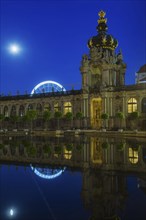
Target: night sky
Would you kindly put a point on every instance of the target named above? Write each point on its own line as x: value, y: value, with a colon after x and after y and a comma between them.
x: 53, y: 37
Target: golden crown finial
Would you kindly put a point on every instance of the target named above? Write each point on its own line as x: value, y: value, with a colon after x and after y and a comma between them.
x: 101, y: 14
x: 102, y: 18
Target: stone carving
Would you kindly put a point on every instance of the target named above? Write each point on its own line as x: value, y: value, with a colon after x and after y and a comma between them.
x: 120, y: 58
x: 85, y: 60
x: 95, y: 54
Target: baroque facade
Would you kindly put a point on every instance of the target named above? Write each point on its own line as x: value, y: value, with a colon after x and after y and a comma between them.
x: 103, y: 90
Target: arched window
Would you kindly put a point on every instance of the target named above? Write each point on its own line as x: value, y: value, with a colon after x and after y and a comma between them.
x: 56, y: 107
x: 143, y: 105
x: 133, y: 155
x: 6, y: 111
x: 30, y: 107
x: 39, y: 107
x: 47, y: 106
x: 67, y: 107
x: 67, y: 153
x: 132, y: 105
x: 13, y: 111
x: 21, y: 111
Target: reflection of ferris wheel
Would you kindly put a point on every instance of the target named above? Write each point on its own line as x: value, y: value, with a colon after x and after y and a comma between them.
x: 47, y: 86
x: 47, y: 173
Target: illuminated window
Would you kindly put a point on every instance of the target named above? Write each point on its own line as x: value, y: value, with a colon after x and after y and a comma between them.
x: 132, y: 105
x: 67, y: 107
x: 133, y: 155
x: 67, y: 154
x: 143, y: 105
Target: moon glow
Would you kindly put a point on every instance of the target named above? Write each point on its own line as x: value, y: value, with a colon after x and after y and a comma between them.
x: 11, y: 212
x: 14, y: 49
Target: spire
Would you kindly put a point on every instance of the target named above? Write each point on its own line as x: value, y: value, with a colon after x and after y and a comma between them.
x: 101, y: 15
x: 102, y: 27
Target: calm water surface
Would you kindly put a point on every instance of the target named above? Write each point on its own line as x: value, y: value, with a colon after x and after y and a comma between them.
x: 89, y: 179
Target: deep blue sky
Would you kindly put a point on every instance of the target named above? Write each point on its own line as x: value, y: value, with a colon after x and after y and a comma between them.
x: 54, y: 35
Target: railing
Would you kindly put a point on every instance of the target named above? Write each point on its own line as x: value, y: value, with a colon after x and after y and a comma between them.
x: 40, y: 95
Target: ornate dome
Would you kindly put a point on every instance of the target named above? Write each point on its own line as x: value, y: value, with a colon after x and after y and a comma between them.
x: 142, y: 69
x: 103, y: 39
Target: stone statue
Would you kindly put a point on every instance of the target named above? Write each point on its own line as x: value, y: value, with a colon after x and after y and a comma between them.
x: 85, y: 60
x: 95, y: 55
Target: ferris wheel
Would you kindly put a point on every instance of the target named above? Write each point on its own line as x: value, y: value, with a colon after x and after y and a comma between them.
x: 47, y: 173
x: 47, y: 86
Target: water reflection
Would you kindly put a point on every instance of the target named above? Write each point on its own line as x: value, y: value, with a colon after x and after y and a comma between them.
x: 84, y: 152
x: 47, y: 173
x: 113, y: 170
x: 104, y: 194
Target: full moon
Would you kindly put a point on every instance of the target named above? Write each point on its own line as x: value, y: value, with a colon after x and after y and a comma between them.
x: 14, y: 49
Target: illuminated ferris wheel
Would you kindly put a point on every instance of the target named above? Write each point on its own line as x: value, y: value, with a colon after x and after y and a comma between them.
x: 47, y: 173
x: 47, y: 86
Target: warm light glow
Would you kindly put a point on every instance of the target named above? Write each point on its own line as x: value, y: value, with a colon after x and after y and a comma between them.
x: 133, y: 155
x: 67, y: 107
x: 67, y: 154
x: 132, y: 105
x: 14, y: 49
